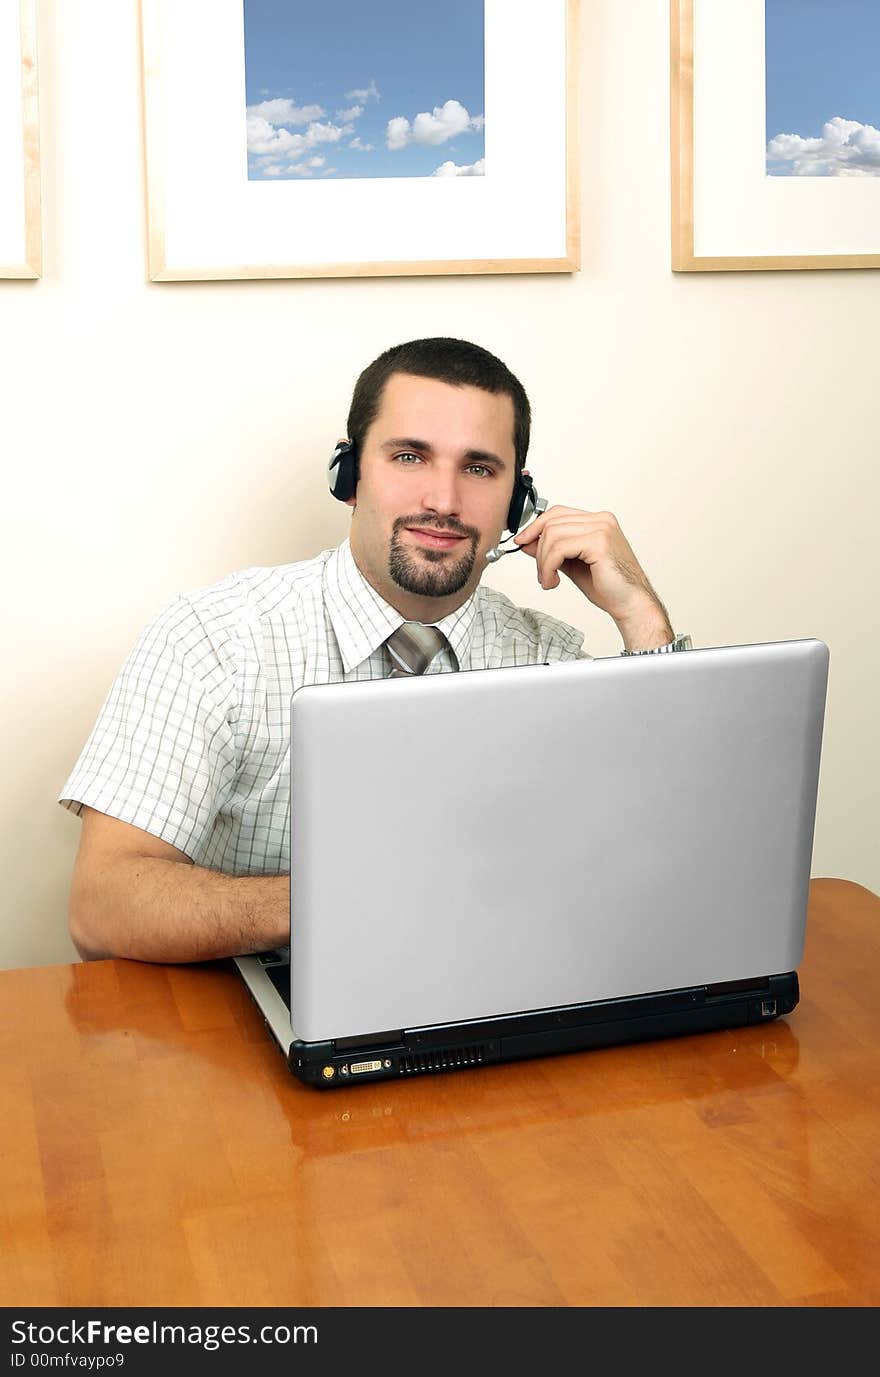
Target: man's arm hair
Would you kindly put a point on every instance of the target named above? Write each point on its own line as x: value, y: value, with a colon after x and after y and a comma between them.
x: 135, y: 896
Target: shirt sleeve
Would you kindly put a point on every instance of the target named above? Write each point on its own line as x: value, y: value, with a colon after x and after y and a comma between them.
x: 161, y: 755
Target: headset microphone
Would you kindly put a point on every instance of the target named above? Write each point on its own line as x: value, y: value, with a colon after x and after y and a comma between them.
x: 526, y: 505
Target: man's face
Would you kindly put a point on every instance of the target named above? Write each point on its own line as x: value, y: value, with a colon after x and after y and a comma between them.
x: 436, y: 478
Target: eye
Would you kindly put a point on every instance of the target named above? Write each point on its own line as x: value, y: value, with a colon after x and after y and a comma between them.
x: 483, y: 469
x: 408, y: 454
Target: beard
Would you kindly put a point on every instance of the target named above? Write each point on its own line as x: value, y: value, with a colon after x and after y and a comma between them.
x: 430, y: 573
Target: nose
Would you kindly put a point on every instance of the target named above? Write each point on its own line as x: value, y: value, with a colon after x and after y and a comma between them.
x: 441, y: 492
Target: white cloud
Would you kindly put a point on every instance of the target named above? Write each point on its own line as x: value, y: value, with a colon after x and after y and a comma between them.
x: 447, y: 121
x: 370, y: 92
x: 353, y: 114
x: 444, y: 123
x: 328, y: 170
x: 360, y: 147
x: 397, y: 133
x: 450, y: 169
x: 846, y: 149
x: 327, y: 133
x: 264, y: 140
x: 306, y: 168
x: 281, y: 111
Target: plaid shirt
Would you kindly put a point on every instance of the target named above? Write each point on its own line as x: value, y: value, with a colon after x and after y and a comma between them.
x: 192, y: 743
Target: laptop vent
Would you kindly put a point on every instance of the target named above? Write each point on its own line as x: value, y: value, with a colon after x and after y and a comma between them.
x: 444, y: 1059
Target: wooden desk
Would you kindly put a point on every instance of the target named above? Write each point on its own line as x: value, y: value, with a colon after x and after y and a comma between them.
x: 156, y: 1151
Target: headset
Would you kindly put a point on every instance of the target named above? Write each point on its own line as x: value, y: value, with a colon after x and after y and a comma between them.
x: 525, y: 503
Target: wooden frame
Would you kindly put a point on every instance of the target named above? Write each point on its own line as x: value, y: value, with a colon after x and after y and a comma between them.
x: 166, y: 265
x: 26, y: 162
x: 684, y: 257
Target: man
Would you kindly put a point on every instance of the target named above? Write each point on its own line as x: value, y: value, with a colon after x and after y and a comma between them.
x: 183, y: 785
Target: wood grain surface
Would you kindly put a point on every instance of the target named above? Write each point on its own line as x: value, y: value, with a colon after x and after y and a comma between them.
x: 156, y: 1151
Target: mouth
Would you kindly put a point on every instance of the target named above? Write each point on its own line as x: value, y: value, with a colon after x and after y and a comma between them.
x: 438, y: 540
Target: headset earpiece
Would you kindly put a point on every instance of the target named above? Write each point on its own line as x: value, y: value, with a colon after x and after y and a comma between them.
x: 342, y: 470
x: 523, y: 504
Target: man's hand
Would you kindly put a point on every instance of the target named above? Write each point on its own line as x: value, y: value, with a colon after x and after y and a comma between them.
x: 591, y: 549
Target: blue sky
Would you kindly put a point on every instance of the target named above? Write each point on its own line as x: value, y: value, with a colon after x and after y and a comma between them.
x: 823, y: 62
x: 330, y: 85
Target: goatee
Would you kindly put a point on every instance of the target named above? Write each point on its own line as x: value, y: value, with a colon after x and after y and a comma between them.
x: 430, y: 573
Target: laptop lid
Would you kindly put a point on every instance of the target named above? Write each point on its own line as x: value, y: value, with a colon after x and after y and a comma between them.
x: 475, y: 845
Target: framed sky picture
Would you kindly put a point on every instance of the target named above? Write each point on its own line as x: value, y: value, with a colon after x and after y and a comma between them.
x: 286, y: 138
x: 775, y: 114
x: 20, y: 237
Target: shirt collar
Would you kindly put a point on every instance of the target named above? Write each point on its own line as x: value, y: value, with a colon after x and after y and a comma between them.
x: 362, y: 620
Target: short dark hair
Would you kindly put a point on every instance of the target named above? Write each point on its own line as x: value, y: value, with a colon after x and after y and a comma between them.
x: 453, y: 361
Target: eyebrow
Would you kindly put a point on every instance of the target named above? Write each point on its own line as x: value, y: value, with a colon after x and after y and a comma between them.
x: 480, y: 456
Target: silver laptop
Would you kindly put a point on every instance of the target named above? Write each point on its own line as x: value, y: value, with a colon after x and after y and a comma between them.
x: 525, y: 861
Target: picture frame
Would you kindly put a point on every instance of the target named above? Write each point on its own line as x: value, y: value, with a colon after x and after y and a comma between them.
x: 20, y: 208
x: 207, y: 221
x: 727, y: 213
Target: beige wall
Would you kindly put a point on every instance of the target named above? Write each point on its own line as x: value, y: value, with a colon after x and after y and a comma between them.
x: 155, y: 437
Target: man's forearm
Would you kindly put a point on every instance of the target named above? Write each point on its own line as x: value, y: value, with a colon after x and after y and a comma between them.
x: 647, y: 628
x: 148, y: 909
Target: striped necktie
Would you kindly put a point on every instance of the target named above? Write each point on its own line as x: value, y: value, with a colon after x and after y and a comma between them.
x: 412, y: 647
